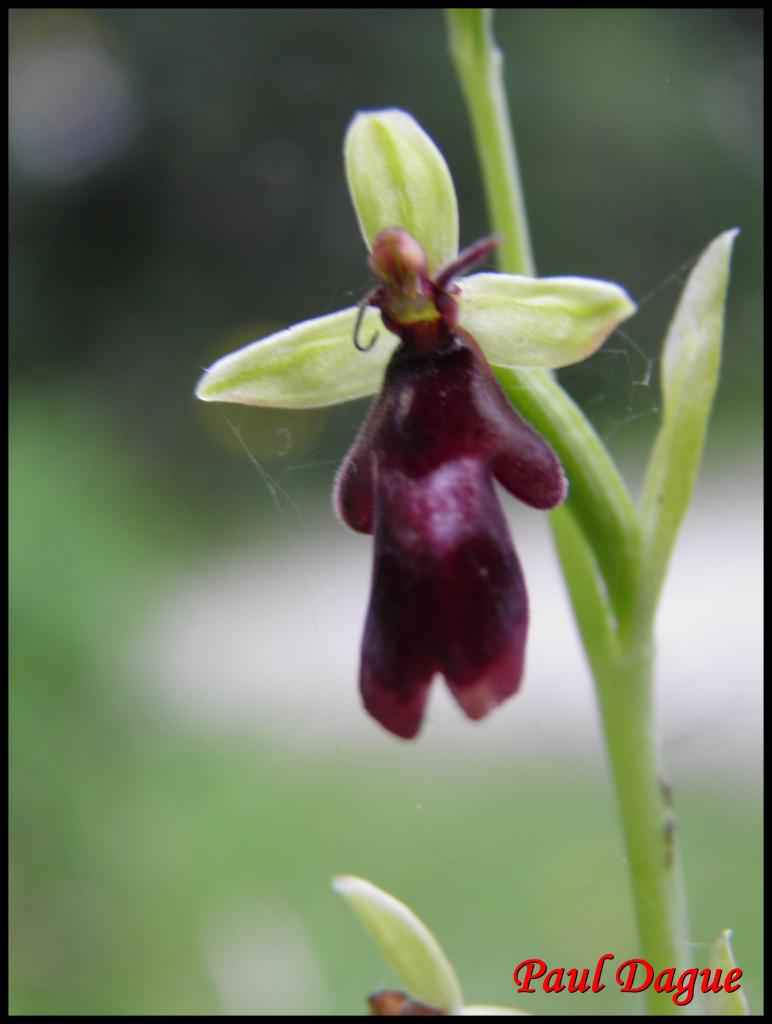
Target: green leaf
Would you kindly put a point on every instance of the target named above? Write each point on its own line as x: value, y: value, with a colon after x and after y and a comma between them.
x: 399, y: 179
x: 547, y: 321
x: 311, y: 364
x: 723, y: 1004
x: 690, y: 367
x: 405, y: 941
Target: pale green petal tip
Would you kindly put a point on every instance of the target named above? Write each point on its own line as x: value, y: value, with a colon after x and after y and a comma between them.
x: 721, y: 957
x: 622, y: 304
x: 212, y: 383
x: 397, y: 177
x: 204, y: 389
x: 707, y: 279
x: 406, y: 942
x: 720, y: 249
x: 692, y: 348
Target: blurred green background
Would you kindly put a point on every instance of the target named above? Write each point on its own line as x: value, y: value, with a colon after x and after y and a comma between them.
x: 189, y: 764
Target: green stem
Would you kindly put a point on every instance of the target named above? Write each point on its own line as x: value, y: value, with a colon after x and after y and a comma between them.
x: 598, y: 497
x: 644, y: 798
x: 597, y: 535
x: 623, y: 678
x: 478, y: 64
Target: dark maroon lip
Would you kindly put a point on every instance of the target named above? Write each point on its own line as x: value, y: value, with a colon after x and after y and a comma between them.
x: 447, y: 595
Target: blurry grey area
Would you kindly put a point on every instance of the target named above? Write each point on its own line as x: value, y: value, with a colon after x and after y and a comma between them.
x: 190, y: 762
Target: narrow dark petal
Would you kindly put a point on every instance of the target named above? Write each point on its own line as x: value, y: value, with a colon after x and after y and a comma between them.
x: 465, y: 260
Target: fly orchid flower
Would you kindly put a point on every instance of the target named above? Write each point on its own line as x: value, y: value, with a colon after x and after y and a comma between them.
x: 448, y: 595
x: 447, y: 591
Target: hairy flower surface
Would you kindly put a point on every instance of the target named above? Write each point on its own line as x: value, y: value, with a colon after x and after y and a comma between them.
x: 447, y: 594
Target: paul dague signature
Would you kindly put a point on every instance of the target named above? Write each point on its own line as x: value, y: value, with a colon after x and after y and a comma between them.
x: 630, y: 976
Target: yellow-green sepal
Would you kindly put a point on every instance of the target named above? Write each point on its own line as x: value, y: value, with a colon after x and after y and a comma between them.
x: 311, y: 364
x: 540, y: 321
x: 411, y: 949
x: 399, y: 179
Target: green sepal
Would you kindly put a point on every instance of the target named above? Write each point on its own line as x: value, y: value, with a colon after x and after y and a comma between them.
x: 399, y: 179
x: 311, y: 364
x: 405, y: 941
x: 540, y: 321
